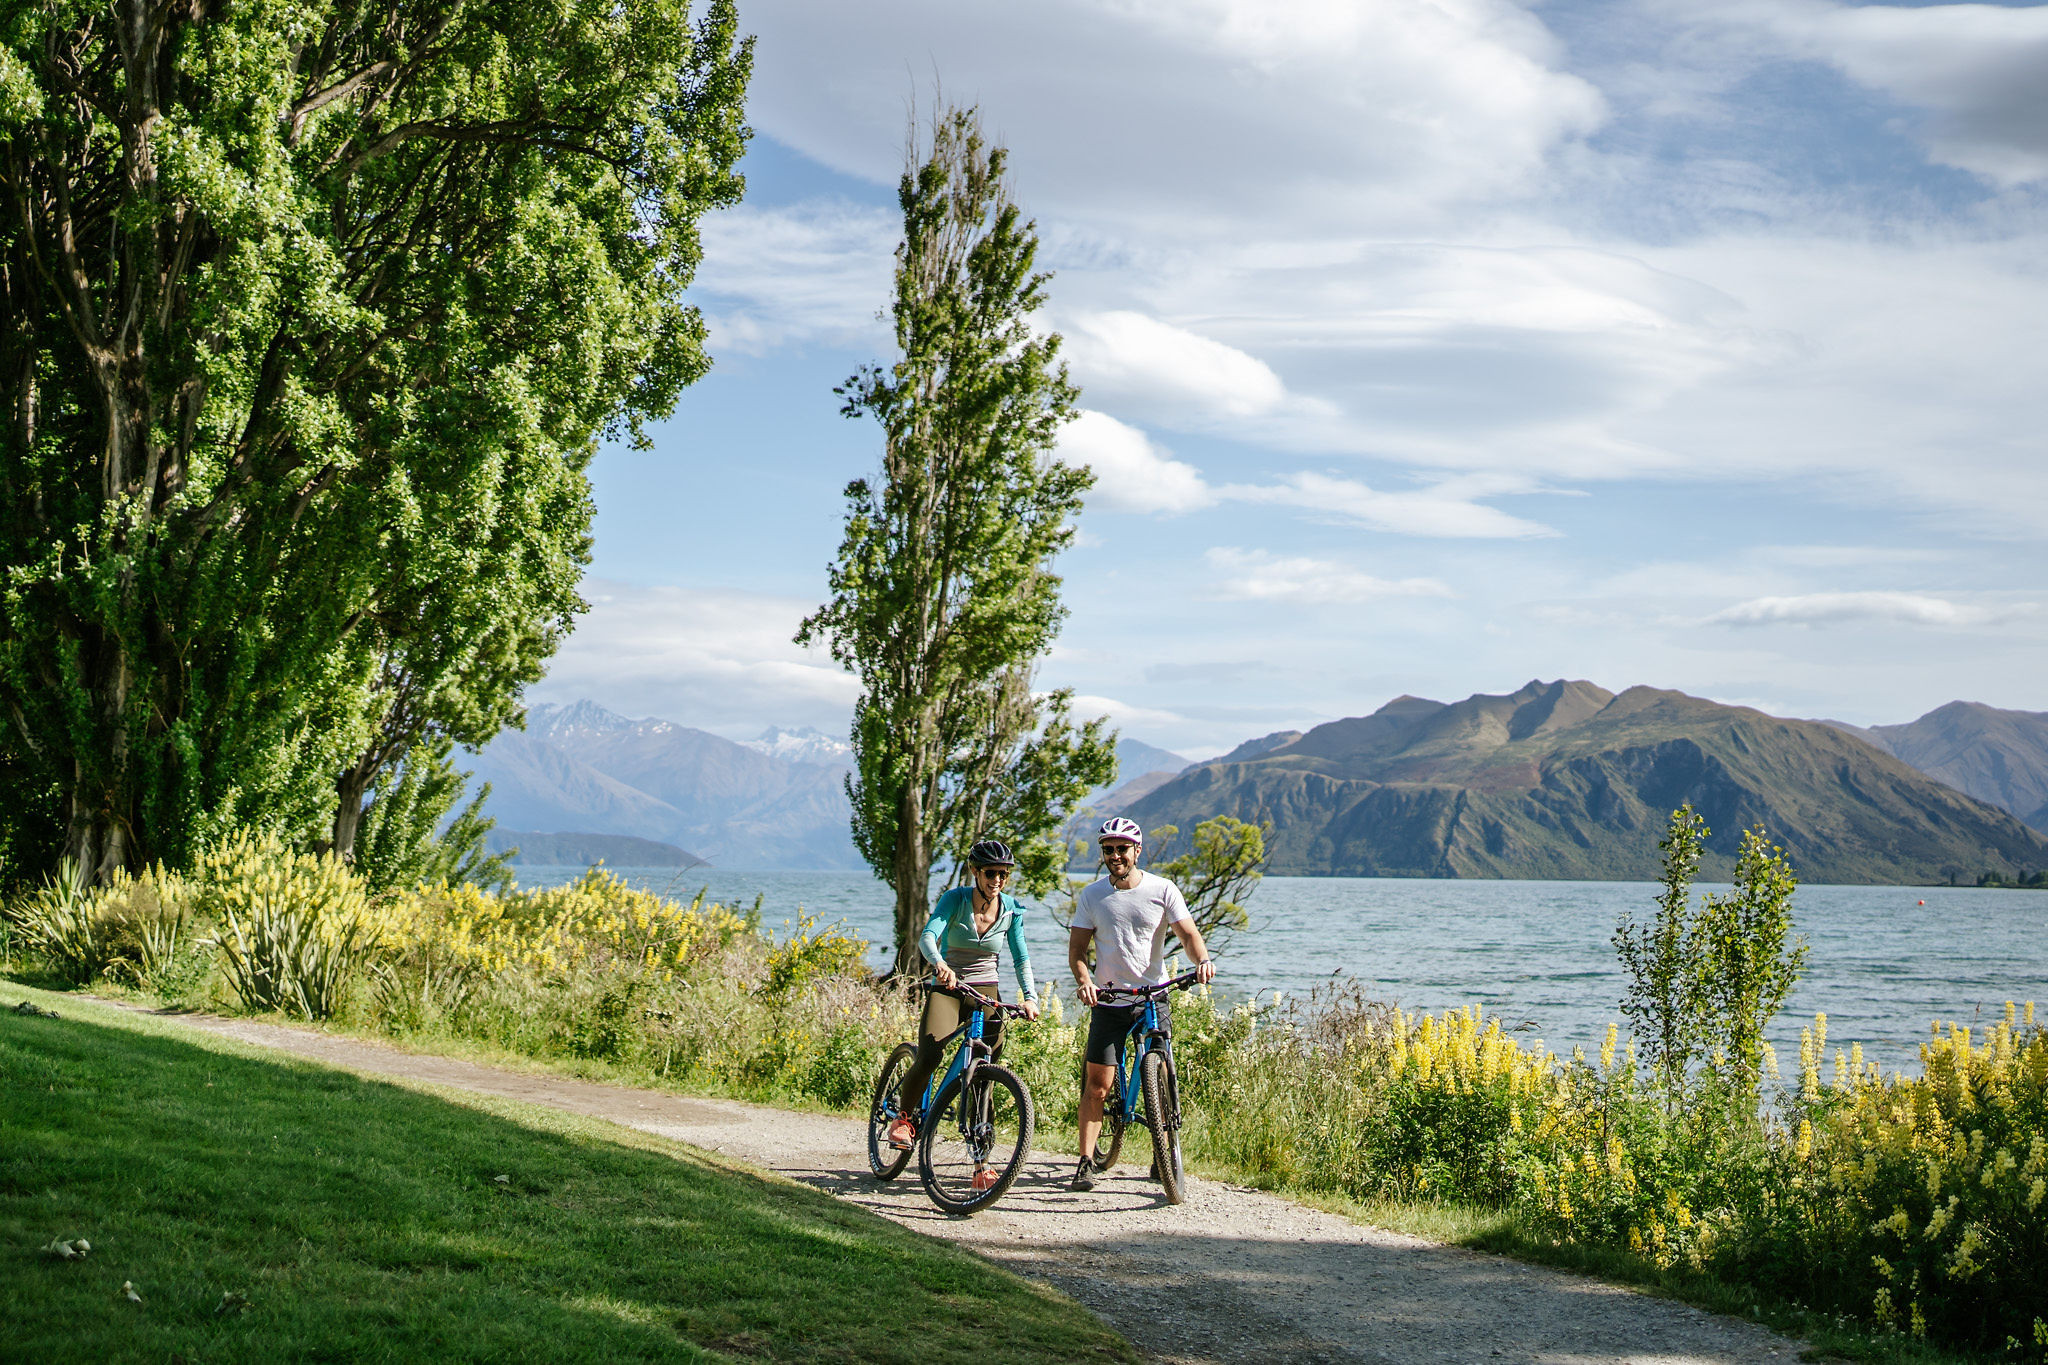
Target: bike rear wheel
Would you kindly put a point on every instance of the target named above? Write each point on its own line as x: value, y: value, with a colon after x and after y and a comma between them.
x: 982, y: 1121
x: 1162, y: 1116
x: 885, y: 1161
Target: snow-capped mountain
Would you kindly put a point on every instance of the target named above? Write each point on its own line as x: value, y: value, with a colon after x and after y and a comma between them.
x: 802, y: 745
x: 586, y: 770
x: 577, y: 720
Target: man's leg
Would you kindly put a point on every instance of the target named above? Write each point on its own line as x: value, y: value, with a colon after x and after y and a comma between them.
x: 1095, y: 1087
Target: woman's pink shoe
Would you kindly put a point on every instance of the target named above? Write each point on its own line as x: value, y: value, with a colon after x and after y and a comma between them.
x: 984, y: 1179
x: 902, y: 1134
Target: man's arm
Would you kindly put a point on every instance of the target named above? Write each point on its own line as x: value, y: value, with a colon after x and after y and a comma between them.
x: 1197, y: 951
x: 1078, y: 940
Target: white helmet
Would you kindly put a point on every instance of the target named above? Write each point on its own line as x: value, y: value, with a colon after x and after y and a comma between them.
x: 1116, y: 827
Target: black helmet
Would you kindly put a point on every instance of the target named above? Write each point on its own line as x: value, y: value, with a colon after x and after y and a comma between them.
x: 991, y: 853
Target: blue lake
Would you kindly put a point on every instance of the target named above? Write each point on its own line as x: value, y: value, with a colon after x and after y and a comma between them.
x: 1882, y: 966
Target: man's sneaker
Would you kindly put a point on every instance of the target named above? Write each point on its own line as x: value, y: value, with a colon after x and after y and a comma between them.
x: 985, y: 1178
x: 1084, y: 1177
x: 902, y: 1134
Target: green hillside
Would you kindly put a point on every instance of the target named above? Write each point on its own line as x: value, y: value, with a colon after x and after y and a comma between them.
x: 1569, y: 780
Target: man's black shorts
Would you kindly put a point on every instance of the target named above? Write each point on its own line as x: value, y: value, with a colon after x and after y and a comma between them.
x: 1109, y: 1025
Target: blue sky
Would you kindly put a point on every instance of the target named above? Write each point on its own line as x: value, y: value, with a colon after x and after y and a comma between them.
x: 1424, y: 348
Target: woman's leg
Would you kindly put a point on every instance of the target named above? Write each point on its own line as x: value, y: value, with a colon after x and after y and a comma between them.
x: 941, y: 1017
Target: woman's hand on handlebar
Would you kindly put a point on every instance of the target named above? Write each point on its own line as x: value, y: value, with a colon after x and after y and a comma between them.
x: 1029, y: 1009
x: 946, y: 977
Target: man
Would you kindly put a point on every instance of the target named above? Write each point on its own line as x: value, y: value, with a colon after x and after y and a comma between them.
x: 1125, y: 915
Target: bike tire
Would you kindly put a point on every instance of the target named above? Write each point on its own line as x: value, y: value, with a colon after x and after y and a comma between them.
x: 1162, y: 1116
x: 885, y: 1161
x: 996, y: 1131
x: 1110, y: 1140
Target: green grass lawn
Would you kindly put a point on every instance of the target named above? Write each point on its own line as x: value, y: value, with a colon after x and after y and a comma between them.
x: 359, y: 1220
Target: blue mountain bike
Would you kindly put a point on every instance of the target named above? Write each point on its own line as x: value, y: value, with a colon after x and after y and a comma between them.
x: 1150, y: 1078
x: 974, y: 1122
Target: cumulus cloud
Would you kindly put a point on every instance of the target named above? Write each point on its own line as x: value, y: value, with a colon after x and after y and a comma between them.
x: 1131, y: 355
x: 1260, y: 576
x: 1828, y: 608
x: 1131, y: 473
x: 1446, y: 509
x: 1974, y: 69
x: 713, y: 658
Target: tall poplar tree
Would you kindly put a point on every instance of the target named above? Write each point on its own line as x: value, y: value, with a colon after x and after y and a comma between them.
x: 943, y: 595
x: 311, y: 315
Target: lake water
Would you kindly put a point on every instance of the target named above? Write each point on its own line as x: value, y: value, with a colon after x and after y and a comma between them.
x: 1882, y: 965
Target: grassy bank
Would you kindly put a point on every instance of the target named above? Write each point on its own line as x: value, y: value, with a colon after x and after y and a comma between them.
x: 265, y: 1209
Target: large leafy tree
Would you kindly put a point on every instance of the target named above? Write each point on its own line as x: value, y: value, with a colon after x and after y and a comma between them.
x: 943, y: 597
x: 311, y: 313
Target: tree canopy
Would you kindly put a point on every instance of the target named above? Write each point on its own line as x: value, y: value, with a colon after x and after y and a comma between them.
x: 311, y: 315
x: 943, y: 594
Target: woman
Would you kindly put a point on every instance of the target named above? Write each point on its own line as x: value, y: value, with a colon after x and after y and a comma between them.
x: 960, y: 941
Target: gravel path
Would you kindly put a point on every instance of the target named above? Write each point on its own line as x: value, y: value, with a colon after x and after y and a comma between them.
x: 1231, y: 1275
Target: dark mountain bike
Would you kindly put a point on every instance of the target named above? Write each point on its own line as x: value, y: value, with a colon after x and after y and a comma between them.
x: 974, y: 1122
x: 1150, y: 1078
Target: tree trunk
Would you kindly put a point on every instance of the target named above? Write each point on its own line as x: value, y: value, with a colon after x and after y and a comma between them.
x: 913, y: 867
x: 348, y: 809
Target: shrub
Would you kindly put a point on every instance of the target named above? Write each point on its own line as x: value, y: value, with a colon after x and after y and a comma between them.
x: 132, y: 926
x: 62, y: 922
x: 293, y: 929
x: 1924, y: 1203
x: 810, y: 954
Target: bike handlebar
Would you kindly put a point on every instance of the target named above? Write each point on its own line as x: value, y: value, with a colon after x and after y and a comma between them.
x: 1158, y: 992
x: 963, y: 991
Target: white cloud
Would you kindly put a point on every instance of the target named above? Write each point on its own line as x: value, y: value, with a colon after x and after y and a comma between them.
x: 1135, y: 475
x: 1134, y: 356
x: 1976, y: 70
x: 1826, y: 608
x: 1178, y: 111
x: 1259, y: 576
x: 713, y: 658
x: 818, y: 269
x: 1131, y: 473
x: 1446, y: 509
x: 1123, y: 714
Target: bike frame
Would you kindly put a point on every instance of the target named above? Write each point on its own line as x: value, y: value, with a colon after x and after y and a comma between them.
x: 1153, y: 1035
x: 969, y: 1053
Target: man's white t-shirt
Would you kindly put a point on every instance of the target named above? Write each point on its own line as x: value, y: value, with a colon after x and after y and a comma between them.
x: 1130, y: 928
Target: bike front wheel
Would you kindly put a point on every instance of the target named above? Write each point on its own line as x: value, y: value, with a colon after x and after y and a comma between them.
x: 981, y: 1122
x: 1162, y: 1116
x: 885, y: 1161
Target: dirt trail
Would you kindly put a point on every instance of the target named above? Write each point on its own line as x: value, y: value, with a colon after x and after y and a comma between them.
x: 1231, y: 1275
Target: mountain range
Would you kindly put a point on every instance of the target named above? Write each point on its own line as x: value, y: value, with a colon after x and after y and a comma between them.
x: 1568, y: 780
x: 1560, y: 779
x: 1996, y: 756
x: 778, y: 802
